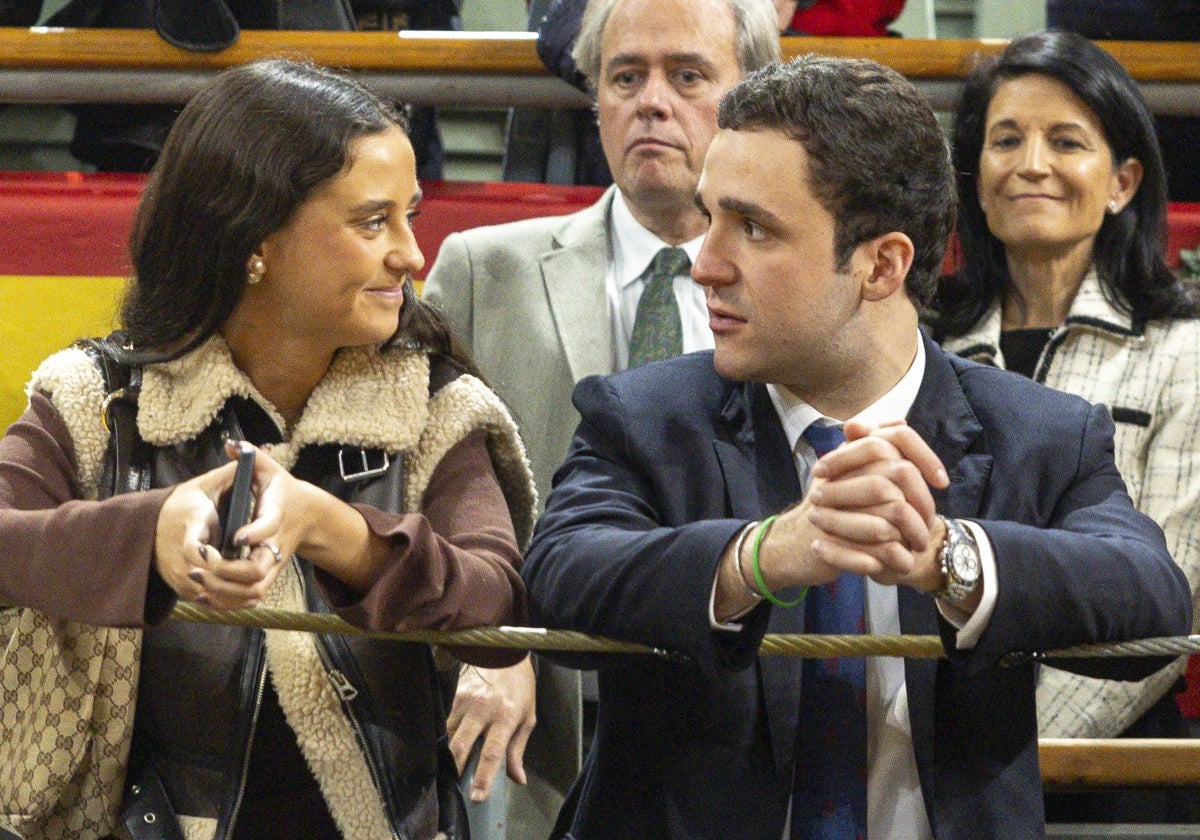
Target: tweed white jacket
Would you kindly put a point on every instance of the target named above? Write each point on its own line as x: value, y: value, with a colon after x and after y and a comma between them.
x: 1149, y: 377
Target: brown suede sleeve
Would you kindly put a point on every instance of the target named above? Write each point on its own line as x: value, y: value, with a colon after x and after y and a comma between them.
x: 454, y: 565
x: 82, y: 560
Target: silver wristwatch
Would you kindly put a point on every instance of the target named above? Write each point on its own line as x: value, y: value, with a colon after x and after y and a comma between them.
x: 960, y: 563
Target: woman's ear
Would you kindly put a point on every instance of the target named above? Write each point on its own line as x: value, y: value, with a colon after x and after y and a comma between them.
x: 883, y: 263
x: 1126, y: 179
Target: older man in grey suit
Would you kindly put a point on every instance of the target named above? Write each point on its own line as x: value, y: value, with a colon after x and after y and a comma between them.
x: 543, y: 303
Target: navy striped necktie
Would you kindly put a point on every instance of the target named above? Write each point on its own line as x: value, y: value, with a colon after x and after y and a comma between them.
x: 829, y: 798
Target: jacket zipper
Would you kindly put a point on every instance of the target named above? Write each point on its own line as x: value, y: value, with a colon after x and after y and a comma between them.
x: 258, y: 695
x: 347, y: 692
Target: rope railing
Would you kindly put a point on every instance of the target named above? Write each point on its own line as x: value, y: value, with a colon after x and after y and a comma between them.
x: 1066, y: 763
x: 57, y: 66
x: 774, y: 644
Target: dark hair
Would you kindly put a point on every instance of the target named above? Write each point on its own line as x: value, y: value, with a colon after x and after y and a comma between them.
x: 878, y: 160
x: 244, y: 153
x: 1129, y: 249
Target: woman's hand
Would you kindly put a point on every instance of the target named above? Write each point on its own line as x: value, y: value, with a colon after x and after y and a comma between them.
x: 294, y: 516
x: 185, y: 556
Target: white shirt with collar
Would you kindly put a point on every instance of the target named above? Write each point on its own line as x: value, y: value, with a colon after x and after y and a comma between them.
x: 895, y: 804
x: 633, y: 249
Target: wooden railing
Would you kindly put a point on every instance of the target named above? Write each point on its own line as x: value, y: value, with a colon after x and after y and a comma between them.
x: 1080, y: 763
x: 470, y: 68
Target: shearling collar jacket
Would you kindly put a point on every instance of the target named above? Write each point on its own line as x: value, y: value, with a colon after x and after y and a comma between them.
x: 367, y: 713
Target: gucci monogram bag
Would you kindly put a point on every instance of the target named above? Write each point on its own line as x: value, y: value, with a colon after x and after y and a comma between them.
x: 67, y: 693
x: 68, y: 690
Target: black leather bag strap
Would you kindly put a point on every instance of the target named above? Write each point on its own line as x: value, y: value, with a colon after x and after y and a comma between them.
x: 146, y: 810
x: 126, y: 466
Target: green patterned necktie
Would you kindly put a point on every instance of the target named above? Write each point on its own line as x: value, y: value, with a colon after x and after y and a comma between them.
x: 657, y: 329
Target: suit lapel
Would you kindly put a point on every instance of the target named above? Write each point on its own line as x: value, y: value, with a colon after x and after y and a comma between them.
x: 760, y: 476
x: 754, y: 455
x: 943, y: 417
x: 573, y: 273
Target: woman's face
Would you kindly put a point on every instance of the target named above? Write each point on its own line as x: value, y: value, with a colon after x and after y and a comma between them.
x: 1046, y: 173
x: 335, y: 271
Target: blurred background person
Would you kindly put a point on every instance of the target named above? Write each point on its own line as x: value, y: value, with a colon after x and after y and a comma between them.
x: 272, y: 302
x: 1062, y: 216
x: 559, y: 27
x: 850, y: 18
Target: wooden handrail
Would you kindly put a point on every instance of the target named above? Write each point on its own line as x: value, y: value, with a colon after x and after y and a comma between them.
x: 1080, y: 763
x: 946, y: 58
x: 510, y: 53
x: 49, y: 65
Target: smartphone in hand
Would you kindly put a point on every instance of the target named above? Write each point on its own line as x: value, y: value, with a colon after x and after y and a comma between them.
x: 237, y: 506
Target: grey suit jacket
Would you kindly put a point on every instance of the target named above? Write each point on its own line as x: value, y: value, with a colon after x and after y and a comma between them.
x: 528, y: 298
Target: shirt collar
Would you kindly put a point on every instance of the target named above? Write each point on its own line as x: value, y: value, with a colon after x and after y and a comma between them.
x: 796, y: 415
x: 634, y: 246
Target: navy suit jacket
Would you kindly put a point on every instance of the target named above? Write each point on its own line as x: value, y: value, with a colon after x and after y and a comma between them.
x: 670, y: 460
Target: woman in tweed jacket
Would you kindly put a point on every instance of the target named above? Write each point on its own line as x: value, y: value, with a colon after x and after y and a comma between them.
x: 1062, y: 223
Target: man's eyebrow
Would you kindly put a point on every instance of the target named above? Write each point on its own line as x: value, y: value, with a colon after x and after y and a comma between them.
x: 623, y: 60
x: 750, y: 210
x: 673, y: 59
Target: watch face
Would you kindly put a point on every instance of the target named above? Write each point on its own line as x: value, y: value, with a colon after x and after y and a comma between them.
x: 965, y: 561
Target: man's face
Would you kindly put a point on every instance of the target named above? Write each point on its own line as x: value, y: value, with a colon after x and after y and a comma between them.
x: 664, y: 66
x: 779, y: 309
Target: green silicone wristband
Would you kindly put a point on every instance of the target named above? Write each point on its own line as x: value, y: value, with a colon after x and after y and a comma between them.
x: 757, y: 567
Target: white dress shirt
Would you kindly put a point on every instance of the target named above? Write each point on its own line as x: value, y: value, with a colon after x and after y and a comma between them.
x: 633, y: 249
x: 895, y: 805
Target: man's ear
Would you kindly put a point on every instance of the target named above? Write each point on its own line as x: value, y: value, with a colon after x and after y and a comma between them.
x: 882, y: 263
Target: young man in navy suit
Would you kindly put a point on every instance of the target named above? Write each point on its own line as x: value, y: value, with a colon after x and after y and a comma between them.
x: 542, y: 303
x: 697, y: 511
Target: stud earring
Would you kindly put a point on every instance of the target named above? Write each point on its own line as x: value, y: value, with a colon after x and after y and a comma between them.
x: 1112, y: 206
x: 255, y: 270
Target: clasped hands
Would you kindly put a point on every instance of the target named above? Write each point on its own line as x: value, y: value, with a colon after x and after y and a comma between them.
x: 869, y: 511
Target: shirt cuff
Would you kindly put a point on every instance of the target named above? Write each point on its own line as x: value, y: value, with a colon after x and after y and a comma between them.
x: 971, y: 626
x: 728, y: 626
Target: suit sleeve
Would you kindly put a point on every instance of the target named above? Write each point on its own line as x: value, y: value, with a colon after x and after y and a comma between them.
x: 1096, y: 571
x: 604, y: 558
x: 450, y: 285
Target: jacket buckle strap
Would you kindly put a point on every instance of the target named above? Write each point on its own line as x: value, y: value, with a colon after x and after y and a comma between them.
x: 364, y: 464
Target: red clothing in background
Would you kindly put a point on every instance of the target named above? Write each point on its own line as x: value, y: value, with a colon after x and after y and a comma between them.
x: 862, y: 18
